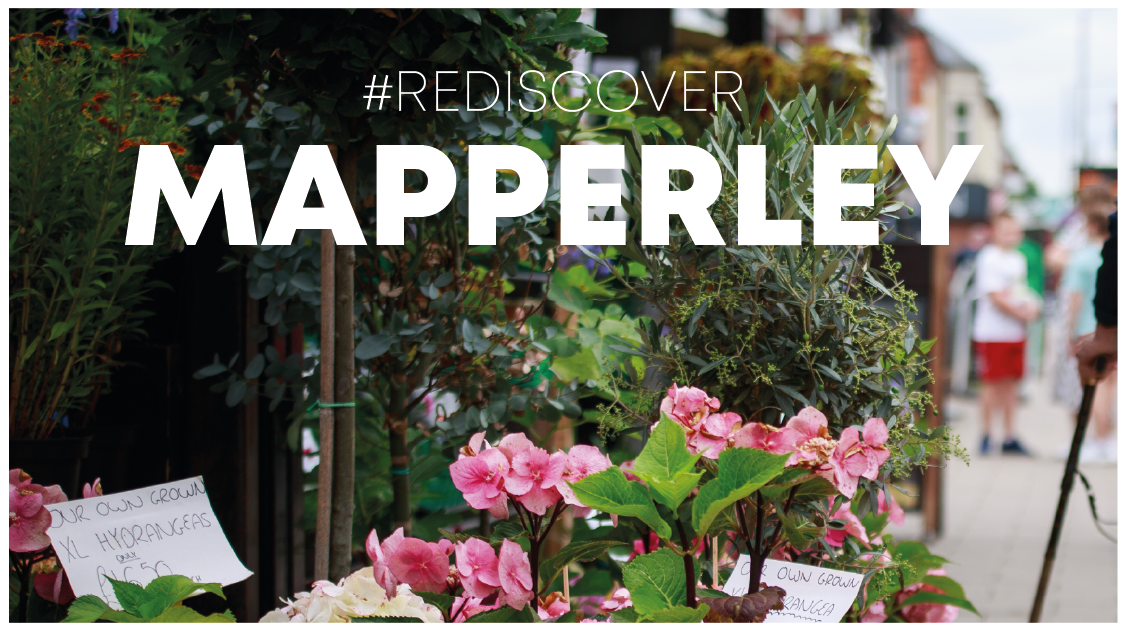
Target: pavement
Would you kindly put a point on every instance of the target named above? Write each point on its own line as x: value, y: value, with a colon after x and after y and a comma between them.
x: 998, y: 517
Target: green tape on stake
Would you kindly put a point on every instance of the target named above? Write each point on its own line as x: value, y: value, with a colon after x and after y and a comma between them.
x: 400, y: 472
x: 318, y: 404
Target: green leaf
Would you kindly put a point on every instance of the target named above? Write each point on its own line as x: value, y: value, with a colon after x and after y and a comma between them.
x: 86, y: 609
x: 666, y: 465
x: 163, y: 592
x: 671, y: 493
x: 655, y: 581
x: 666, y: 453
x: 946, y: 585
x: 611, y: 492
x: 442, y: 602
x: 678, y: 614
x: 787, y: 479
x: 184, y: 614
x: 131, y: 596
x: 625, y: 615
x: 506, y: 531
x: 932, y: 597
x: 582, y: 551
x: 741, y: 472
x: 503, y: 615
x: 448, y: 53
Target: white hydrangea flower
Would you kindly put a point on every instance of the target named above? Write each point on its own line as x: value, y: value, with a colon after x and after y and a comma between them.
x: 357, y: 595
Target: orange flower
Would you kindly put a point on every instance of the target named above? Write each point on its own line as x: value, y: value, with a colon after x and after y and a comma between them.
x: 49, y: 42
x: 80, y: 44
x: 193, y: 171
x: 128, y: 142
x: 101, y: 96
x: 16, y: 38
x: 175, y: 148
x: 126, y: 55
x: 14, y: 99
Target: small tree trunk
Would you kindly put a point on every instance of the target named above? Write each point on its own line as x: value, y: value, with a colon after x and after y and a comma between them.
x: 327, y: 418
x: 400, y: 454
x: 344, y: 366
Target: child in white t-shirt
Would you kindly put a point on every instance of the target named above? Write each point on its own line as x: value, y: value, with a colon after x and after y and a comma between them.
x: 1005, y: 306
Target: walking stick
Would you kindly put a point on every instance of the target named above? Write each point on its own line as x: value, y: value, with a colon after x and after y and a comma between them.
x: 1065, y: 490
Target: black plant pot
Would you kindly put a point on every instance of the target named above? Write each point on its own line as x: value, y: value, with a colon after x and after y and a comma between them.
x: 51, y: 461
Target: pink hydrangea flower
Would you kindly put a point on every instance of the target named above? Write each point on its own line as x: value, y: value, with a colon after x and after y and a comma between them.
x: 639, y: 546
x: 853, y: 527
x: 472, y: 606
x: 688, y: 405
x: 477, y: 566
x: 380, y: 554
x: 582, y: 461
x: 627, y: 468
x: 766, y: 438
x: 552, y: 606
x: 480, y: 478
x: 515, y: 576
x: 847, y: 463
x: 715, y: 434
x: 927, y: 612
x: 533, y: 478
x: 28, y: 517
x: 875, y: 436
x: 619, y: 600
x: 514, y: 444
x: 887, y: 503
x: 54, y: 587
x: 92, y: 490
x: 422, y: 565
x: 812, y: 442
x: 874, y: 613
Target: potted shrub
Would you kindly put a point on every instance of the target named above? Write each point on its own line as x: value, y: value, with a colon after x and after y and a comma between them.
x: 76, y: 116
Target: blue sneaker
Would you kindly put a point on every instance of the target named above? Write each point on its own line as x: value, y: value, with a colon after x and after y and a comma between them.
x: 985, y: 447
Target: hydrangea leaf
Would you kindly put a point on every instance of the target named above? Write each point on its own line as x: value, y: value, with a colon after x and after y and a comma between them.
x: 741, y: 472
x: 611, y: 492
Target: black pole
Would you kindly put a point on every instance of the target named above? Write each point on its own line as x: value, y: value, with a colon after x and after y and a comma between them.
x: 1065, y: 490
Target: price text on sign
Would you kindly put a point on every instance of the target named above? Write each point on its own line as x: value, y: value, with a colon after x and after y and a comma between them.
x: 137, y: 536
x: 813, y: 594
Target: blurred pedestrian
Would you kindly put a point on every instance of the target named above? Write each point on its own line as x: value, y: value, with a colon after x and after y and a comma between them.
x: 1104, y: 340
x: 1005, y: 306
x: 1077, y: 293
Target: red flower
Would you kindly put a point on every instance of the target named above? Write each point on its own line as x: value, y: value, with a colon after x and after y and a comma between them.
x: 80, y: 44
x: 16, y: 38
x: 193, y: 171
x: 176, y: 149
x: 101, y: 96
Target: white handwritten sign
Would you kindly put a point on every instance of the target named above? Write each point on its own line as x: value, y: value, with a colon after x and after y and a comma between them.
x: 813, y: 594
x: 140, y: 535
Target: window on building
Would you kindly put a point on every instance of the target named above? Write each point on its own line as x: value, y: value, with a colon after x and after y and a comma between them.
x: 961, y: 123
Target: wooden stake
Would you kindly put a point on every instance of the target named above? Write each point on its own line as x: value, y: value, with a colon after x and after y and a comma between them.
x: 566, y: 585
x: 327, y: 418
x: 715, y: 562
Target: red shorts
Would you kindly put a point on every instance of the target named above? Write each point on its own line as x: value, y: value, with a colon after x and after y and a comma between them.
x: 1000, y: 360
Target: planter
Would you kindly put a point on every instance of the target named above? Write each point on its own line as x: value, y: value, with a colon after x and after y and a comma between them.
x: 51, y: 461
x: 109, y: 457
